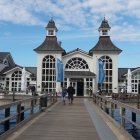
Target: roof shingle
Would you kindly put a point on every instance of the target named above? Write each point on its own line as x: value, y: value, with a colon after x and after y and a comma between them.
x: 50, y: 44
x: 105, y: 44
x: 104, y: 24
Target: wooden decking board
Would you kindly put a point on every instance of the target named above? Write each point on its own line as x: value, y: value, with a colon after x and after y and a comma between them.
x: 69, y: 122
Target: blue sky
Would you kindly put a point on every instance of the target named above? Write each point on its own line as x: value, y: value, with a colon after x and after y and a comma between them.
x: 22, y: 26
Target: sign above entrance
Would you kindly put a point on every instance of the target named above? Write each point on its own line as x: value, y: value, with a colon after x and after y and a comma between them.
x: 76, y: 79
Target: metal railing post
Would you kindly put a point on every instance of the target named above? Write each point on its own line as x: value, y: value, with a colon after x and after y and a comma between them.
x: 122, y: 113
x: 7, y: 122
x: 18, y: 113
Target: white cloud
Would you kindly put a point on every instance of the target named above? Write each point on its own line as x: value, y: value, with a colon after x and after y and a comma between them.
x: 125, y: 33
x: 80, y: 14
x: 17, y: 12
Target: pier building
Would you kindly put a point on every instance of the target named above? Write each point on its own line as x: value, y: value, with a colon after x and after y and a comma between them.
x: 80, y: 67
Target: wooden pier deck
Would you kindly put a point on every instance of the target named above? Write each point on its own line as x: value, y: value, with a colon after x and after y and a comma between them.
x: 79, y: 121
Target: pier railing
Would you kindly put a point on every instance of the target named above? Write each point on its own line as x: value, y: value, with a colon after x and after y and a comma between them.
x: 17, y: 112
x: 122, y: 113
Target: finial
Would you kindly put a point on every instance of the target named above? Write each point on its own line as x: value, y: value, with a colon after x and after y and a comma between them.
x: 50, y: 17
x: 104, y: 17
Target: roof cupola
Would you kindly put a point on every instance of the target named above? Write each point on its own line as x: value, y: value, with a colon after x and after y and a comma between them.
x: 50, y: 43
x: 104, y: 44
x: 104, y: 28
x: 51, y: 28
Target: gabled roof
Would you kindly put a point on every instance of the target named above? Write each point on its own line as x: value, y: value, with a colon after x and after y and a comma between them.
x: 7, y: 69
x: 123, y: 71
x: 6, y: 62
x: 105, y: 44
x: 2, y: 66
x: 32, y: 70
x: 50, y: 44
x: 77, y: 50
x: 3, y: 55
x: 6, y: 56
x: 11, y: 65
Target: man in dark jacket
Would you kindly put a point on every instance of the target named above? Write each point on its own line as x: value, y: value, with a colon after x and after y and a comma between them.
x: 70, y: 91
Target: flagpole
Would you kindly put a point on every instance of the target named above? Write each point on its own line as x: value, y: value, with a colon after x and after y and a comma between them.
x: 55, y: 74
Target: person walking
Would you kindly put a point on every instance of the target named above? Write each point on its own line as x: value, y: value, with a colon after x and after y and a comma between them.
x: 33, y: 90
x: 64, y: 93
x: 90, y: 91
x: 70, y: 91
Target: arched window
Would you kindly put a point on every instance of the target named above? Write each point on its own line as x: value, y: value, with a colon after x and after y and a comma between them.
x: 77, y: 63
x: 48, y: 74
x: 16, y: 81
x: 107, y: 85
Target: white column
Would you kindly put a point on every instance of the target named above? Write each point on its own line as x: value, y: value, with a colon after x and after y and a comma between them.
x: 58, y: 86
x: 84, y: 86
x: 10, y: 84
x: 68, y: 82
x: 95, y: 85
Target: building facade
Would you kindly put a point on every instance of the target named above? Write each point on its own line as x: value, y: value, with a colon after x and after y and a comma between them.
x: 135, y: 79
x: 80, y: 67
x: 10, y: 74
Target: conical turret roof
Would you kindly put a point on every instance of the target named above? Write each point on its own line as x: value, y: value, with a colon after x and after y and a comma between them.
x: 51, y: 24
x: 104, y: 24
x: 104, y: 43
x: 50, y: 43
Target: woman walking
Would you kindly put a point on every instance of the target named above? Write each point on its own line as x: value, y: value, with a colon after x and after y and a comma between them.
x: 64, y: 93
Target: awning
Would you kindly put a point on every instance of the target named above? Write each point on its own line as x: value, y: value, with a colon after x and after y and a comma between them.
x: 79, y: 74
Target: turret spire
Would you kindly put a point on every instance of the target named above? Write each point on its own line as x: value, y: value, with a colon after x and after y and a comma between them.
x: 51, y: 28
x: 104, y: 28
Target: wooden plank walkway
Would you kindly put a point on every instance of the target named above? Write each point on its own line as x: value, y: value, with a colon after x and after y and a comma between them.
x: 61, y: 122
